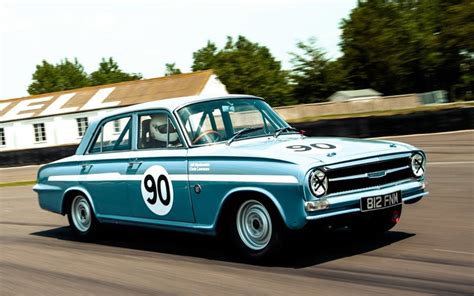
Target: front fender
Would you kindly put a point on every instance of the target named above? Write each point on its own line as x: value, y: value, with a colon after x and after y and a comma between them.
x: 290, y: 208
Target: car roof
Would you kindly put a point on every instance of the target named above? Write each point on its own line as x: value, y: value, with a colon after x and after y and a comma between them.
x: 167, y: 104
x: 173, y: 103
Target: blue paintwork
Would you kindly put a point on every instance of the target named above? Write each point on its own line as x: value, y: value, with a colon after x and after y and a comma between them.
x: 121, y: 201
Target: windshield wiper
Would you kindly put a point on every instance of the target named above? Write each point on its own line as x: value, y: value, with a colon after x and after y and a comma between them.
x: 243, y: 131
x: 285, y: 129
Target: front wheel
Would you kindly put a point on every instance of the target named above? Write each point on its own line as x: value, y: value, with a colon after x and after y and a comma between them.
x: 82, y: 219
x: 257, y: 230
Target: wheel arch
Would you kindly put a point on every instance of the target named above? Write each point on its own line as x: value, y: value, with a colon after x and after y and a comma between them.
x: 69, y: 195
x: 237, y: 195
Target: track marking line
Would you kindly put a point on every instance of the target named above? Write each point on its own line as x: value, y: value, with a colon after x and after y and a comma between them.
x: 450, y: 162
x: 452, y: 251
x: 429, y: 134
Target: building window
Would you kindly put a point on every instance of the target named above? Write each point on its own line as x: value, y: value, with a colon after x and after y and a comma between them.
x: 40, y: 132
x: 82, y: 124
x: 2, y: 137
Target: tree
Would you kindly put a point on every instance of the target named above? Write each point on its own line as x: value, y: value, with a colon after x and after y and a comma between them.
x: 315, y: 77
x: 457, y: 47
x: 171, y: 69
x: 63, y: 76
x: 401, y: 46
x: 205, y: 57
x: 247, y: 68
x: 109, y: 72
x: 375, y: 45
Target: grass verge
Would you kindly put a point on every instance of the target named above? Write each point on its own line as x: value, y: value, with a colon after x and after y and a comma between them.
x: 18, y: 183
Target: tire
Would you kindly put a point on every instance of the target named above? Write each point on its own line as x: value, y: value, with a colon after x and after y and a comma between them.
x: 377, y: 222
x: 82, y: 219
x: 257, y: 230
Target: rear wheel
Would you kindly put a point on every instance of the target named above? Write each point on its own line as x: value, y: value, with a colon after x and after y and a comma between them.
x: 257, y: 229
x: 377, y: 222
x: 81, y: 218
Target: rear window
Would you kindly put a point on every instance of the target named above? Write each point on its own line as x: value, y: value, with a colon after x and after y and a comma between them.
x: 114, y: 135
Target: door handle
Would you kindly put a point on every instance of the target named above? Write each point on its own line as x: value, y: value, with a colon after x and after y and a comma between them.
x: 86, y: 166
x: 133, y: 163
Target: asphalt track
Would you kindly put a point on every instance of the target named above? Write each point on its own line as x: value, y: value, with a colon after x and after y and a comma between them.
x: 429, y: 252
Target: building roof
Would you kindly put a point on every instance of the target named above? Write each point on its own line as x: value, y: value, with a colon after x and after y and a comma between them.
x: 104, y: 96
x: 174, y: 103
x: 357, y: 93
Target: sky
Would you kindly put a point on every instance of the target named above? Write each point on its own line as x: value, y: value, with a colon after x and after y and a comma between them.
x: 144, y: 35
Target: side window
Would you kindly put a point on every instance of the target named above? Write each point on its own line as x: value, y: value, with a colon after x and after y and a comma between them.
x: 157, y: 131
x: 112, y: 139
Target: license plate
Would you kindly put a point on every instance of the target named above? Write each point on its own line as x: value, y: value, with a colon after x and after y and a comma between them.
x: 380, y: 202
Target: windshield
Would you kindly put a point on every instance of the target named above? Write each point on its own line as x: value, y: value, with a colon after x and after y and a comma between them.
x: 218, y: 121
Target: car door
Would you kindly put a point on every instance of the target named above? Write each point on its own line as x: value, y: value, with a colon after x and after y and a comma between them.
x: 105, y: 165
x: 161, y: 190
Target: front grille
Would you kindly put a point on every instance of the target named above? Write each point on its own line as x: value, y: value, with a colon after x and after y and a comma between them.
x: 338, y: 183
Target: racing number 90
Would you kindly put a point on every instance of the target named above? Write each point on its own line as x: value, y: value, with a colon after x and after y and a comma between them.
x: 155, y: 188
x: 302, y: 148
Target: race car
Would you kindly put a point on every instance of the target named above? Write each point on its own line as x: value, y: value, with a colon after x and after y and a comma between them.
x: 227, y: 165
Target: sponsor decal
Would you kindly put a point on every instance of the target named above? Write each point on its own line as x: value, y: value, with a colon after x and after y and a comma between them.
x: 199, y: 167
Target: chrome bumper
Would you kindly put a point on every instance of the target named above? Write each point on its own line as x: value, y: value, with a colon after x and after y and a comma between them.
x: 344, y: 203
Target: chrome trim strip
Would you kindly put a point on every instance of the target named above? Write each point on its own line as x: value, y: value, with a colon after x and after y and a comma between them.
x: 317, y: 217
x: 415, y: 196
x: 366, y: 175
x: 368, y: 160
x: 332, y: 214
x: 378, y: 187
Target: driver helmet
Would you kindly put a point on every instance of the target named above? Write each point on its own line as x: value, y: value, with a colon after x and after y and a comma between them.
x: 159, y: 129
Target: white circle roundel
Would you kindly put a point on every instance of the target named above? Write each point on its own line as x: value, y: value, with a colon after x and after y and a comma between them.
x: 157, y: 190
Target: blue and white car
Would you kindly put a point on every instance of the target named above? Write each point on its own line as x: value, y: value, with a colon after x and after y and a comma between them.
x: 230, y: 165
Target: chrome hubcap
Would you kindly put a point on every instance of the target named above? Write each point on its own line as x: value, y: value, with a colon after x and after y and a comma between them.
x: 254, y: 225
x: 81, y: 213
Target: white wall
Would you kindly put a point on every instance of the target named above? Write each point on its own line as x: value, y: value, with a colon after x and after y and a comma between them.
x: 60, y: 130
x: 214, y: 87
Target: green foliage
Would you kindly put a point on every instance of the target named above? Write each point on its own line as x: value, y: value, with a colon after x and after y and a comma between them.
x: 246, y: 68
x: 70, y: 75
x: 315, y: 77
x: 171, y: 69
x: 403, y: 46
x: 63, y: 76
x: 205, y: 58
x: 109, y: 72
x: 393, y: 46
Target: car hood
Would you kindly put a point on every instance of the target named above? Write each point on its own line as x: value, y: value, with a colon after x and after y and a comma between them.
x: 305, y: 150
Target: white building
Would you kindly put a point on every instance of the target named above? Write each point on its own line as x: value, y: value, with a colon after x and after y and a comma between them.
x: 61, y: 118
x: 357, y: 94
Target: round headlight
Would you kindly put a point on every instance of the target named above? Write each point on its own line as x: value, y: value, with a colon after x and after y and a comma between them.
x: 418, y: 165
x: 318, y: 182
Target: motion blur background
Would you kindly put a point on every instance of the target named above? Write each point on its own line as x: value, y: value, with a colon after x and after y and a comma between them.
x: 337, y: 68
x: 330, y: 67
x: 287, y: 51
